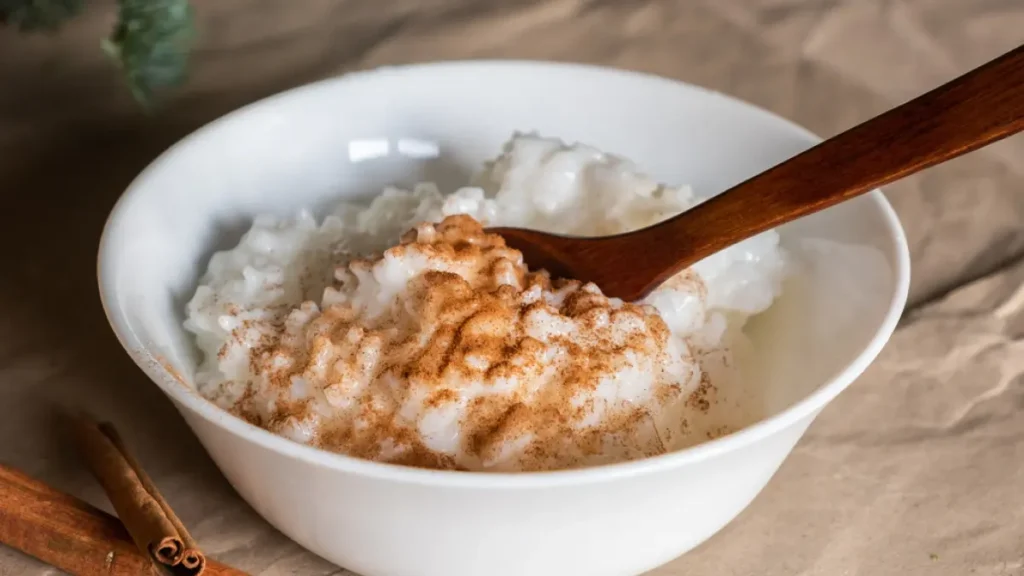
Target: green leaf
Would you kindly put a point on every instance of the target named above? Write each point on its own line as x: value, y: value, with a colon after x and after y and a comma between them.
x: 38, y: 15
x: 151, y: 42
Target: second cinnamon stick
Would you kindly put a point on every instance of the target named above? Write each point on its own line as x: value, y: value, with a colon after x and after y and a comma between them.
x: 192, y: 559
x: 144, y: 512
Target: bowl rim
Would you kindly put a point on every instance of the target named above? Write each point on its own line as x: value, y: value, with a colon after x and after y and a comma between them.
x: 183, y: 395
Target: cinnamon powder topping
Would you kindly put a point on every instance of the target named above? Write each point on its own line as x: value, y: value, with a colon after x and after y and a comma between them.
x: 446, y: 352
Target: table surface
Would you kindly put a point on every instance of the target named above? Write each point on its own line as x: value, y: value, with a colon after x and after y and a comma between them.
x: 917, y: 469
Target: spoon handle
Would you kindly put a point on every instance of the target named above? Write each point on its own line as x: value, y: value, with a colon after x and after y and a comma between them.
x: 984, y: 105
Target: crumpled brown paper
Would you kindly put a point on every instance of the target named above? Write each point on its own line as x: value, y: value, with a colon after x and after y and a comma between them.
x: 917, y: 469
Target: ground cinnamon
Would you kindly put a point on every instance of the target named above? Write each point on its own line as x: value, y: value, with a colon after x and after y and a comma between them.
x: 153, y: 526
x: 70, y: 534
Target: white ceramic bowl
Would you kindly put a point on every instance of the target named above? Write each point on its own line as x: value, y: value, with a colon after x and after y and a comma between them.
x: 354, y: 134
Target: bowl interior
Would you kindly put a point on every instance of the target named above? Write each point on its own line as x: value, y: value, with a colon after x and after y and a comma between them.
x: 353, y: 135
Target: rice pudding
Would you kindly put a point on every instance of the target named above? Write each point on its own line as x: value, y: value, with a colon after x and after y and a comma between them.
x: 400, y: 331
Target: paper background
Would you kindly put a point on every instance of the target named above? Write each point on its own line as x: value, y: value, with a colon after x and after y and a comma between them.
x: 917, y: 469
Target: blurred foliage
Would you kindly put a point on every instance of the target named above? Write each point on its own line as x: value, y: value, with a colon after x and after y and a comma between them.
x: 38, y: 15
x: 150, y: 42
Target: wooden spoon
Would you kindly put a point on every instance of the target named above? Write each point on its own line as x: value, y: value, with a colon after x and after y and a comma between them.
x: 978, y: 108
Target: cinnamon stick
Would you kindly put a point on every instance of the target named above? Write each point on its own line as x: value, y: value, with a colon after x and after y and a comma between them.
x: 192, y: 558
x: 70, y: 534
x: 154, y: 527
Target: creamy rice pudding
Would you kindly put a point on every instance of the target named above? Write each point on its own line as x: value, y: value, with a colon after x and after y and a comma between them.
x: 400, y: 331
